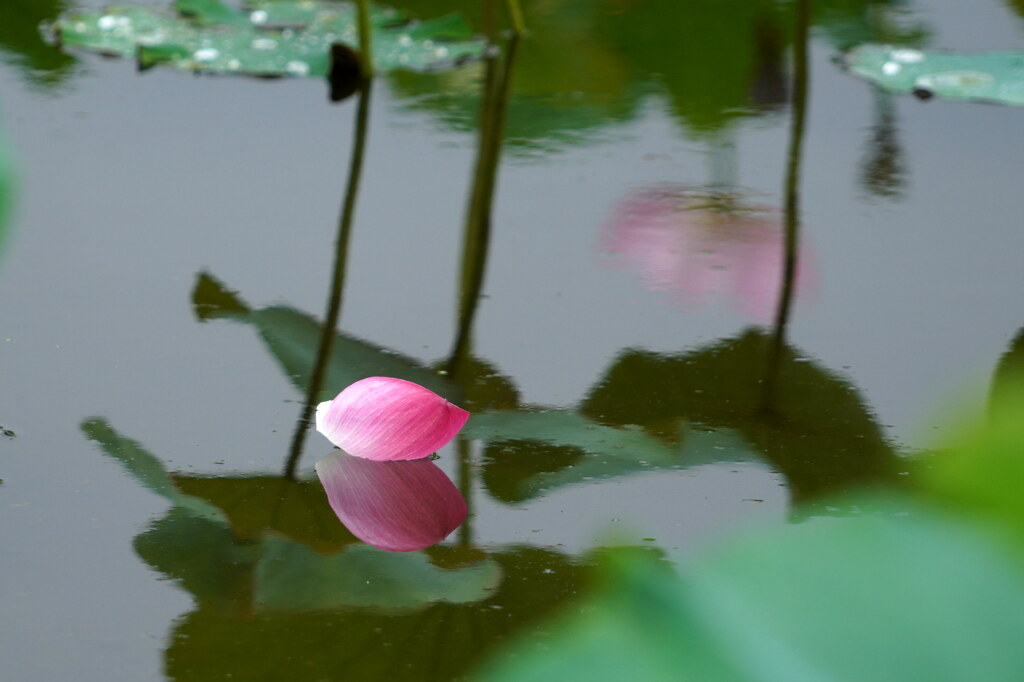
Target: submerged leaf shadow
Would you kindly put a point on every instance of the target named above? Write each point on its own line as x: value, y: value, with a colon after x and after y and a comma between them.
x: 817, y: 431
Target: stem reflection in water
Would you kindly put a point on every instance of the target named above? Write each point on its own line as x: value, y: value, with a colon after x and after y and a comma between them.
x: 883, y: 171
x: 345, y: 221
x: 476, y: 239
x: 792, y: 206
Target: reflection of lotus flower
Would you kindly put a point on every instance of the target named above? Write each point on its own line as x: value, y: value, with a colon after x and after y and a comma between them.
x: 384, y: 419
x: 694, y: 246
x: 397, y: 506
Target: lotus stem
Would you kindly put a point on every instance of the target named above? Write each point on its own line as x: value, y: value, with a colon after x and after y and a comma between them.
x: 794, y: 159
x: 345, y: 222
x: 515, y: 13
x: 497, y: 84
x: 365, y: 37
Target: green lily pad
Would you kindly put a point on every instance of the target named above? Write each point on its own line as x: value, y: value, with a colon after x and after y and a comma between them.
x: 120, y: 30
x: 209, y: 12
x: 268, y: 38
x: 984, y: 76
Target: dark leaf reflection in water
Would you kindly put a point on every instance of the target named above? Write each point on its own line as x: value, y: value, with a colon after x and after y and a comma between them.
x: 280, y: 594
x: 698, y: 407
x: 21, y: 43
x: 440, y: 641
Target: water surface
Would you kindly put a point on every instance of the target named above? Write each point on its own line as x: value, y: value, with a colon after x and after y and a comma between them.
x: 614, y: 293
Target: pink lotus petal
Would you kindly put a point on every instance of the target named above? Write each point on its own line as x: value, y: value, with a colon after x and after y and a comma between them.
x: 397, y: 506
x: 384, y: 419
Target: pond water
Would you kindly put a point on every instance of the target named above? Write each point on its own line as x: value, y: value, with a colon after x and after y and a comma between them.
x: 171, y: 255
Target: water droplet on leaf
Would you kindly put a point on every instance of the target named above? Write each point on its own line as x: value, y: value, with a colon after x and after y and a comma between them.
x: 206, y: 54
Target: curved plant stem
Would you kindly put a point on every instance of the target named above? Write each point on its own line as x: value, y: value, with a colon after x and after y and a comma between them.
x: 333, y: 313
x: 477, y: 235
x: 794, y: 158
x: 515, y: 16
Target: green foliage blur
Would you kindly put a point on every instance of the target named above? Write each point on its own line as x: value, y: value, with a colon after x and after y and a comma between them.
x: 22, y: 44
x: 921, y: 584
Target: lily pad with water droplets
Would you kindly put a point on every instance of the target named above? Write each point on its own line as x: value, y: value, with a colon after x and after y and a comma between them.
x: 269, y: 38
x: 985, y: 76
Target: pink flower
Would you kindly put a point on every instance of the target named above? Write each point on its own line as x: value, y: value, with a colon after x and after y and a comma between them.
x: 397, y: 506
x: 384, y: 419
x: 697, y: 246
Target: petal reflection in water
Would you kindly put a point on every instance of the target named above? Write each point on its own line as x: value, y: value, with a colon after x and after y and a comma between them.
x: 398, y: 506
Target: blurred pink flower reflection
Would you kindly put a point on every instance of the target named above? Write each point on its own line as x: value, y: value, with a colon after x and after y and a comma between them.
x: 698, y: 246
x: 399, y: 506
